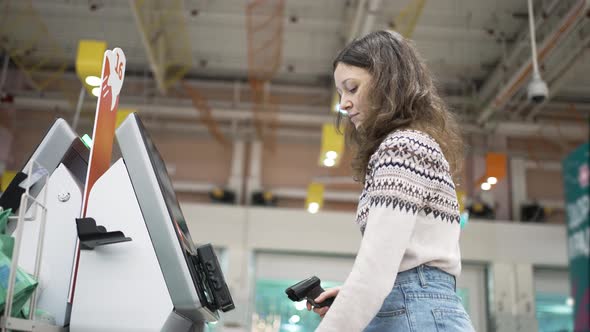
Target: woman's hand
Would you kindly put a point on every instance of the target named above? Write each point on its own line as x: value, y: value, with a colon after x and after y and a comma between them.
x: 328, y: 293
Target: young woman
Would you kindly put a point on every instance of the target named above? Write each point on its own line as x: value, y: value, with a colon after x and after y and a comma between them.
x: 407, y: 148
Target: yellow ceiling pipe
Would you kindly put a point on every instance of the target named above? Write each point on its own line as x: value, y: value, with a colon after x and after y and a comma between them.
x: 89, y: 64
x: 164, y: 33
x: 405, y: 22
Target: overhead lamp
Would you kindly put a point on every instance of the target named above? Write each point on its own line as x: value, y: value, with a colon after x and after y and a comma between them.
x: 329, y: 162
x: 496, y: 165
x: 332, y: 146
x: 96, y: 91
x: 495, y: 169
x: 313, y: 207
x: 315, y: 197
x: 486, y: 186
x: 92, y: 80
x: 89, y: 59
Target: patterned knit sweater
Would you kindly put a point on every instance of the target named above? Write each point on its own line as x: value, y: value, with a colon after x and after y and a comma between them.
x: 409, y: 215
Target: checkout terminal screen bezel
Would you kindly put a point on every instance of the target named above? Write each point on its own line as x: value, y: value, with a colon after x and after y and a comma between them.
x: 174, y: 211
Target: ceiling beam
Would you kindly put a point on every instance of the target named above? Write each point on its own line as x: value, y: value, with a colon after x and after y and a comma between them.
x: 372, y: 11
x: 200, y: 83
x: 520, y: 78
x: 562, y: 77
x: 356, y: 23
x: 570, y: 130
x: 179, y: 112
x: 155, y: 65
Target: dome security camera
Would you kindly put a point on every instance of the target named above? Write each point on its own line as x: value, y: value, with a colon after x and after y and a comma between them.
x: 537, y: 90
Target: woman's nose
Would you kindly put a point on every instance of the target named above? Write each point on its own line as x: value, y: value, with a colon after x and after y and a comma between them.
x: 346, y: 105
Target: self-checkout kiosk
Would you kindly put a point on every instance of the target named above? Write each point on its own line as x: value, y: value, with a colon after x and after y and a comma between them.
x: 138, y: 267
x: 111, y: 250
x: 52, y: 181
x: 147, y: 274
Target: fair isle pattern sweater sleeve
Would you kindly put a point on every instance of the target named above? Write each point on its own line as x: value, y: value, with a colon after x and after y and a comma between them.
x: 407, y: 179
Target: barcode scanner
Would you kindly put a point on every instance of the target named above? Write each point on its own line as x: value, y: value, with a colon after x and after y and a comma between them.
x: 309, y: 289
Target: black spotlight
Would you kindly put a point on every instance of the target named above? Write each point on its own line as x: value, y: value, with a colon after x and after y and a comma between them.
x: 220, y: 195
x: 263, y: 198
x: 532, y: 212
x: 481, y: 210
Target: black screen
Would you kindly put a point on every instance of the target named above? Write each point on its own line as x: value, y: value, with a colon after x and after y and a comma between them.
x: 76, y: 160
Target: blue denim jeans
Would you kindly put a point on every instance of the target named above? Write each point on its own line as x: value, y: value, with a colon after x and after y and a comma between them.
x: 423, y: 299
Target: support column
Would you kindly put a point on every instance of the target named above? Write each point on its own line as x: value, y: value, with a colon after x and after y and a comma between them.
x: 502, y: 295
x: 512, y: 298
x: 525, y: 299
x: 518, y: 185
x: 236, y: 178
x: 238, y: 279
x: 501, y: 190
x: 253, y: 182
x: 5, y: 148
x: 7, y: 124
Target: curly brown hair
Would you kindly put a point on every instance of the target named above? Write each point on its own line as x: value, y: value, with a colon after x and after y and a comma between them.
x: 403, y: 97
